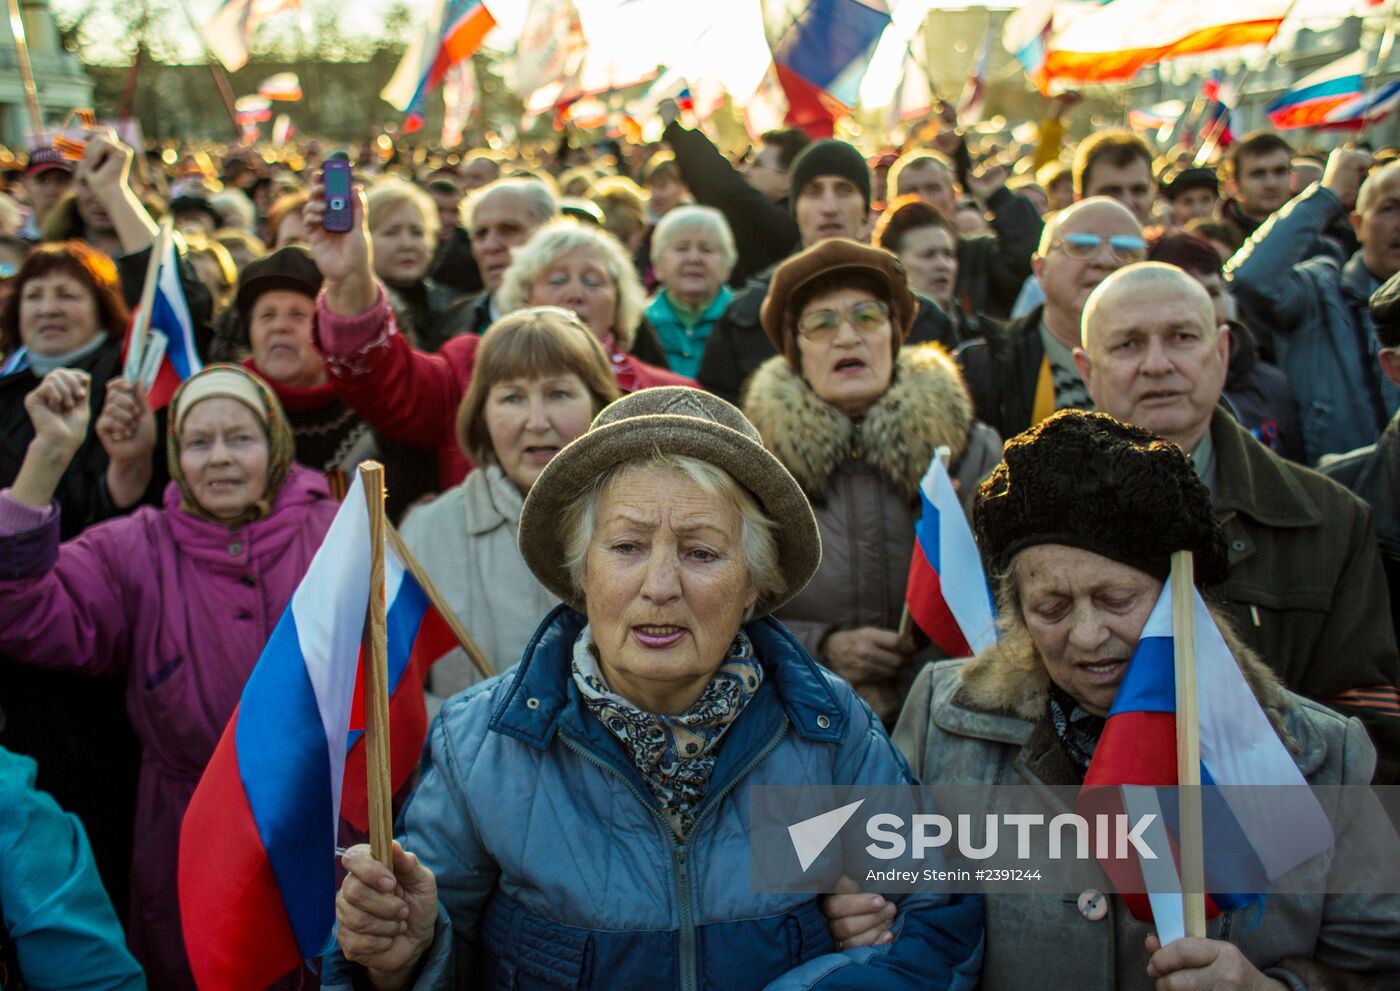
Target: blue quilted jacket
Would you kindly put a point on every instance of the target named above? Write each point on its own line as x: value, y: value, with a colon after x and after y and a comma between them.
x: 556, y: 869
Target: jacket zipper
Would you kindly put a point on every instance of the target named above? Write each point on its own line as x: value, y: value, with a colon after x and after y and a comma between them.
x: 680, y: 853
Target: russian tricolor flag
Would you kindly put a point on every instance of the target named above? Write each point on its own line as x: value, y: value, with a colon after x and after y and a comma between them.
x: 169, y: 356
x: 258, y: 870
x: 453, y: 34
x: 1335, y: 96
x: 1254, y: 831
x: 947, y: 592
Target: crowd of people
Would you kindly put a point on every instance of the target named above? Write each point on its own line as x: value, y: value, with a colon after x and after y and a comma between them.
x: 654, y: 420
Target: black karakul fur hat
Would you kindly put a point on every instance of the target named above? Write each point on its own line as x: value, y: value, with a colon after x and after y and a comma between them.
x: 1089, y: 481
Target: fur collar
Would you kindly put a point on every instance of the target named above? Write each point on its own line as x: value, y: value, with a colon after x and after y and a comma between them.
x: 1010, y: 678
x: 926, y: 406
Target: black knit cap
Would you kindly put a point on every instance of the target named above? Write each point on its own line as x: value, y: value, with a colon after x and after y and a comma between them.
x: 291, y: 268
x: 1089, y: 481
x: 829, y: 157
x: 1178, y: 181
x: 1385, y: 312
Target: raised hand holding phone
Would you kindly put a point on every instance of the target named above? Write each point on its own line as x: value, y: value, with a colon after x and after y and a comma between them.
x: 339, y: 214
x: 343, y: 256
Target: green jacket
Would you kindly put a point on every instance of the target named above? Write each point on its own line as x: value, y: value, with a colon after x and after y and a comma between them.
x: 1306, y: 590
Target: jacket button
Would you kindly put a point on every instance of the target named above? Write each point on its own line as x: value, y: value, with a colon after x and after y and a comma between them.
x: 824, y: 722
x: 235, y: 549
x: 1237, y: 545
x: 532, y: 703
x: 1093, y: 905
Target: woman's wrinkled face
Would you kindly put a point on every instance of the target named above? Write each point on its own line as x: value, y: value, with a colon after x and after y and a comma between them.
x: 846, y: 349
x: 57, y: 314
x: 401, y: 248
x: 666, y: 587
x: 692, y: 266
x: 578, y: 280
x: 224, y: 456
x: 930, y: 257
x: 1085, y: 614
x: 530, y: 419
x: 279, y: 330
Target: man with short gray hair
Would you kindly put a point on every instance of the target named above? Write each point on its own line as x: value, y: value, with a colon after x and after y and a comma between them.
x: 498, y: 218
x: 1306, y: 589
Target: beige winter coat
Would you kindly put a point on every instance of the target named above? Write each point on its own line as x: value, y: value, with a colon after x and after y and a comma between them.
x: 465, y: 540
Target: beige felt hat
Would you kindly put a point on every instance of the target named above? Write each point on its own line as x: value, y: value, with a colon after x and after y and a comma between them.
x: 671, y: 420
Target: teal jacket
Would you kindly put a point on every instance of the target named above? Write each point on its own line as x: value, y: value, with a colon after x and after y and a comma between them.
x: 685, y: 343
x: 53, y: 905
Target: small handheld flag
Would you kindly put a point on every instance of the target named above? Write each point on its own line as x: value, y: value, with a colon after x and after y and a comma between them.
x: 947, y: 593
x: 1252, y: 834
x: 257, y: 845
x: 159, y: 351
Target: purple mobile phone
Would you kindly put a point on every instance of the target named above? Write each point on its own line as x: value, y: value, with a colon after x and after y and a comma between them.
x: 340, y: 213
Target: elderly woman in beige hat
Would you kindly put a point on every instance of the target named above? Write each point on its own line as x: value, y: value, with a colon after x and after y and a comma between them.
x: 581, y: 821
x: 857, y: 418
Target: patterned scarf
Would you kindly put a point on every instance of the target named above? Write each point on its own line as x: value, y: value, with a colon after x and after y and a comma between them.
x: 676, y: 754
x: 1077, y: 728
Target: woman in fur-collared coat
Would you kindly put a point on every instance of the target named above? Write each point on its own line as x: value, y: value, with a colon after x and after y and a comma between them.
x: 856, y: 419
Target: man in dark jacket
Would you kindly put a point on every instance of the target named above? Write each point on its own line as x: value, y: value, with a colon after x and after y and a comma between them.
x: 991, y: 267
x: 753, y: 199
x: 1373, y: 472
x: 830, y: 198
x: 1021, y: 373
x: 1305, y: 588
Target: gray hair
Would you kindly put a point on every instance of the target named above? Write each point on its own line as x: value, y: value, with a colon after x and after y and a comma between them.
x: 556, y: 239
x: 1372, y: 182
x: 1143, y: 275
x: 707, y: 221
x: 534, y: 196
x: 756, y: 529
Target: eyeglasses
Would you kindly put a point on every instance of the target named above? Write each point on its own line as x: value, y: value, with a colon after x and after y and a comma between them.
x: 1123, y: 247
x: 865, y: 318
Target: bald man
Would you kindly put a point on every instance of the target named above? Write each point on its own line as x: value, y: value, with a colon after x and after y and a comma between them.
x: 1316, y: 311
x: 1306, y: 588
x: 1021, y: 373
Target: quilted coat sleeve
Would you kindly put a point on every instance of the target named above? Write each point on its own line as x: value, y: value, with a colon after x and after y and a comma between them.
x: 938, y: 938
x: 65, y: 606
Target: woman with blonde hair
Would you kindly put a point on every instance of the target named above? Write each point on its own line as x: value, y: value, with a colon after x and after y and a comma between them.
x: 587, y: 270
x: 403, y: 228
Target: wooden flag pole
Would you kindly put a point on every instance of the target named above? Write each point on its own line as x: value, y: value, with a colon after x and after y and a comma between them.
x: 1188, y: 744
x: 375, y: 668
x: 906, y: 626
x: 136, y: 345
x: 26, y: 72
x: 464, y: 639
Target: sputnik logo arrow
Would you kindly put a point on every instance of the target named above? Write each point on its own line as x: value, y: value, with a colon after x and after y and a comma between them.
x: 811, y: 836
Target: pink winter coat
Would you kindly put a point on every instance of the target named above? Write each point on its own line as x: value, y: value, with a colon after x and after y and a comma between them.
x: 182, y: 608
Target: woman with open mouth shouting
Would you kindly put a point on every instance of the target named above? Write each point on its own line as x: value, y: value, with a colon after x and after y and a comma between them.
x: 857, y: 418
